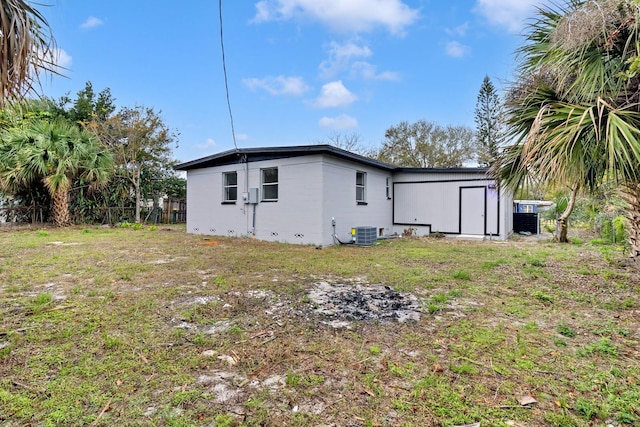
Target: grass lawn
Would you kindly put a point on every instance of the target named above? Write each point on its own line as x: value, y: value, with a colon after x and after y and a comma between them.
x: 126, y: 326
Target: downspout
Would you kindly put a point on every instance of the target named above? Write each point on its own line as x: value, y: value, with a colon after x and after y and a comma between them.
x: 245, y: 160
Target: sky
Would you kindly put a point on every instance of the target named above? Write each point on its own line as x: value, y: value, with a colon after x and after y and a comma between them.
x: 298, y: 71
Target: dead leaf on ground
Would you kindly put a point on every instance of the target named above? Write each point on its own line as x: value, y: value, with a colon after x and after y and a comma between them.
x: 526, y: 400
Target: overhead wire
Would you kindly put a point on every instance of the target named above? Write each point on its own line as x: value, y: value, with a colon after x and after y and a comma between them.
x: 226, y: 81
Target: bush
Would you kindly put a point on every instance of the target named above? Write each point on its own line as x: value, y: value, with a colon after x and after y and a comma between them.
x: 620, y: 232
x: 607, y: 231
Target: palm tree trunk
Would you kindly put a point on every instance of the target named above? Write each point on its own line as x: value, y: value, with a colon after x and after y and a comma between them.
x: 562, y: 223
x: 61, y: 208
x: 631, y: 194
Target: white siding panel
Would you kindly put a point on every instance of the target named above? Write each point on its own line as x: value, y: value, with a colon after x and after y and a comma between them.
x: 339, y: 194
x: 428, y: 204
x: 205, y: 212
x: 493, y: 214
x: 295, y: 217
x: 432, y: 200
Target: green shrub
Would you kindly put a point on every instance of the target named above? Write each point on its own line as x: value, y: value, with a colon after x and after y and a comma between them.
x: 607, y: 231
x: 619, y: 230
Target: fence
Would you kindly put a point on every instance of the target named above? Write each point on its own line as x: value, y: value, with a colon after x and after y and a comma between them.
x: 525, y: 222
x: 22, y: 214
x: 173, y: 211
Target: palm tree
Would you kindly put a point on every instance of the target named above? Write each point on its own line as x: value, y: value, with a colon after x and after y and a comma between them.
x: 27, y: 47
x: 54, y: 153
x: 574, y: 114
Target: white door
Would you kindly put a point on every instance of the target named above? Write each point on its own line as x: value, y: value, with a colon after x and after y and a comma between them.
x: 472, y: 210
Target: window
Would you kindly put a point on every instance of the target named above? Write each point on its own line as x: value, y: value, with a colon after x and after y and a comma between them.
x: 388, y: 188
x: 230, y: 184
x: 527, y: 208
x: 361, y: 180
x: 269, y: 184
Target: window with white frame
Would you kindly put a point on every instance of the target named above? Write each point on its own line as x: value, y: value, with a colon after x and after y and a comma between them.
x: 361, y: 182
x: 230, y: 186
x: 269, y: 178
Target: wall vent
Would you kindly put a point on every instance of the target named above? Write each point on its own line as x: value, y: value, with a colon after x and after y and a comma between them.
x: 364, y: 236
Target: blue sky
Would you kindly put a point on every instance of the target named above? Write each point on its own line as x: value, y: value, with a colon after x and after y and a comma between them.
x: 299, y: 71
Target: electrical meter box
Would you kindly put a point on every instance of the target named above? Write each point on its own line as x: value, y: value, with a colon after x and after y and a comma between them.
x: 253, y: 195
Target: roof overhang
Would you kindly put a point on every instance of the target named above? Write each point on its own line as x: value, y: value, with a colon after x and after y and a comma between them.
x: 242, y: 155
x: 247, y: 155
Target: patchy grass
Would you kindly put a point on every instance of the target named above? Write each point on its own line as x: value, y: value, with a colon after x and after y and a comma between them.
x: 151, y: 326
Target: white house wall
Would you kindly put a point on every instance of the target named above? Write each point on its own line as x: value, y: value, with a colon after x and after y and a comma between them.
x: 450, y: 203
x: 205, y: 212
x: 339, y: 195
x: 294, y: 218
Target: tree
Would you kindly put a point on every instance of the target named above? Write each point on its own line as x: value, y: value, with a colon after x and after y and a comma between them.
x: 350, y: 142
x: 89, y: 107
x: 428, y: 145
x: 489, y: 126
x: 52, y: 153
x: 574, y: 113
x: 27, y: 47
x: 139, y: 141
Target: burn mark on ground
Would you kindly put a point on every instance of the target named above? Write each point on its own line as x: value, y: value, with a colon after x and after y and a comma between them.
x: 340, y: 304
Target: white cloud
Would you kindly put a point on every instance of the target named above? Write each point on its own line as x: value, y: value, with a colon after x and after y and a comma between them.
x: 334, y: 94
x: 511, y: 14
x: 59, y: 59
x: 209, y: 143
x: 459, y: 31
x: 352, y: 16
x: 342, y: 122
x: 242, y: 136
x: 340, y: 56
x: 91, y: 22
x: 62, y: 59
x: 457, y: 50
x: 369, y: 72
x: 278, y: 85
x: 344, y: 56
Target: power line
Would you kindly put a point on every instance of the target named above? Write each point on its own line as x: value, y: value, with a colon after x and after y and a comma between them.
x: 226, y: 82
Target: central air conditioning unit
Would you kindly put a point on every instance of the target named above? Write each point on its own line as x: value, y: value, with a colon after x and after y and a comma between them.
x: 364, y: 236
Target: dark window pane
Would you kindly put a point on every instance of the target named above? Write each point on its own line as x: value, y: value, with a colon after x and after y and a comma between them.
x: 270, y: 175
x: 231, y: 178
x: 270, y: 192
x: 231, y: 193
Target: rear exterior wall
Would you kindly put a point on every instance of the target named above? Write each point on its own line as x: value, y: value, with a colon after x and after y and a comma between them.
x: 456, y: 203
x: 293, y: 218
x: 339, y: 197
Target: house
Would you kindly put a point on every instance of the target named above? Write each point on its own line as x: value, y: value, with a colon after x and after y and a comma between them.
x: 316, y: 194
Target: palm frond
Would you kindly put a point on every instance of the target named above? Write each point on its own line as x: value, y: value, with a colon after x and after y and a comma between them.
x: 27, y: 47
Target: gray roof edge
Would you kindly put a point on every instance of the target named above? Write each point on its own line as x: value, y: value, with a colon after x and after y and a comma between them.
x: 302, y: 150
x: 443, y: 170
x: 297, y: 150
